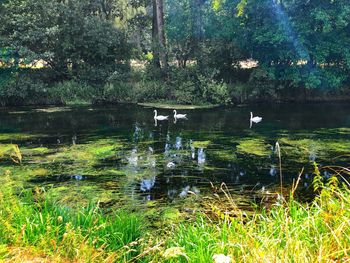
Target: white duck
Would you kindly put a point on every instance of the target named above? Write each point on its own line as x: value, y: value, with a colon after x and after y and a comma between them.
x: 159, y: 117
x: 255, y: 119
x: 179, y: 116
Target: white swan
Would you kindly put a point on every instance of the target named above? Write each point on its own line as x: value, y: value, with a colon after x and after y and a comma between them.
x: 159, y: 117
x: 179, y: 116
x: 170, y: 165
x: 255, y: 119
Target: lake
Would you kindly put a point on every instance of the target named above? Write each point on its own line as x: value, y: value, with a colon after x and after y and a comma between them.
x: 119, y: 155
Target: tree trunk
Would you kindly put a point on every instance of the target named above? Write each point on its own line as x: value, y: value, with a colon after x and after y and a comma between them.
x: 158, y: 34
x: 155, y: 43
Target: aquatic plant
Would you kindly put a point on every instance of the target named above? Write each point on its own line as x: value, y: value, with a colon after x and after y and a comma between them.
x: 201, y: 144
x: 304, y: 150
x: 254, y: 146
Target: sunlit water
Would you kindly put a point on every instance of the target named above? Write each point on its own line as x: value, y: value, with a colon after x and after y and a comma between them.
x: 115, y: 153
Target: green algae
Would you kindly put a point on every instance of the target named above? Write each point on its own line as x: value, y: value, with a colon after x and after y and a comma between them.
x: 201, y: 144
x: 224, y: 155
x: 254, y: 146
x: 89, y: 153
x: 36, y: 151
x: 321, y: 149
x: 16, y: 136
x: 5, y: 149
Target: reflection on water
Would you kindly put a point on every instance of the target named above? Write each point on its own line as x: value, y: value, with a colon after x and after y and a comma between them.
x: 121, y: 150
x: 201, y: 157
x: 147, y: 184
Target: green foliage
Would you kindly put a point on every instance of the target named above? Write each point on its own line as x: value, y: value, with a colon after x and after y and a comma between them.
x: 317, y: 181
x: 297, y: 45
x: 72, y: 92
x: 37, y: 220
x: 71, y: 38
x: 119, y: 92
x: 288, y: 232
x: 185, y: 93
x: 213, y: 91
x: 6, y: 80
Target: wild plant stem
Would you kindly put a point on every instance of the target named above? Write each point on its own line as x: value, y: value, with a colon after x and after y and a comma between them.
x: 278, y: 149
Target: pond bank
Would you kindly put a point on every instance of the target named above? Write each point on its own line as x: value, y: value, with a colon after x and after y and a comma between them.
x: 35, y: 227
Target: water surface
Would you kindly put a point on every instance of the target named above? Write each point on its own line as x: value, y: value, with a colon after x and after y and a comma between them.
x: 120, y: 153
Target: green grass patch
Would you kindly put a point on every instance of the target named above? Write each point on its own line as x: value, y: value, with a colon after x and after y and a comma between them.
x: 32, y: 219
x: 289, y: 232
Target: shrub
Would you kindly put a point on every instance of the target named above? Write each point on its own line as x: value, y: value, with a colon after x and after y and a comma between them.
x: 262, y: 85
x: 119, y: 92
x: 151, y: 90
x: 214, y: 92
x: 68, y: 92
x: 239, y: 91
x: 186, y: 93
x: 24, y: 88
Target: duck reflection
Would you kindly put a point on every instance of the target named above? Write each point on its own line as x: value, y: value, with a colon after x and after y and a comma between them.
x: 138, y: 133
x: 172, y: 194
x: 178, y: 143
x: 201, y: 157
x: 151, y: 159
x: 133, y: 158
x: 184, y: 192
x: 273, y: 171
x: 193, y: 151
x: 170, y: 157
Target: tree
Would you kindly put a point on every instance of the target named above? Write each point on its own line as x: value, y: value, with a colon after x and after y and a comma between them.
x: 305, y: 43
x: 74, y: 38
x: 158, y: 35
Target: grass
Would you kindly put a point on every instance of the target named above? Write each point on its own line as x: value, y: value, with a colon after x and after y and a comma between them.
x: 36, y: 228
x: 289, y: 231
x: 37, y: 223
